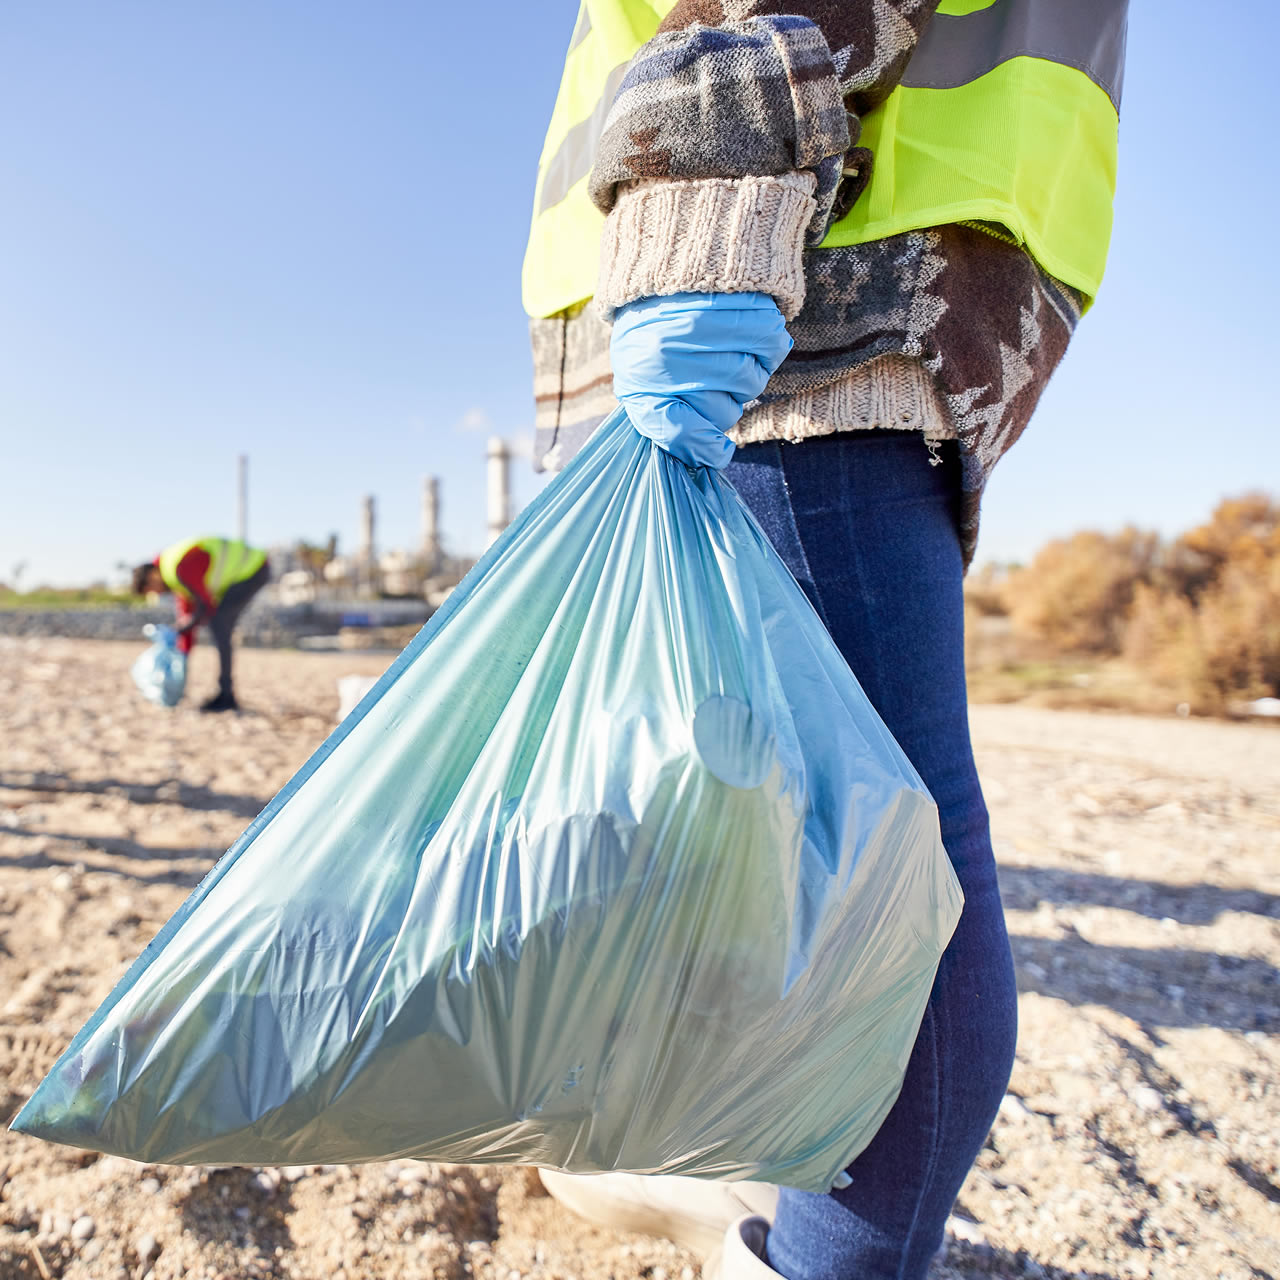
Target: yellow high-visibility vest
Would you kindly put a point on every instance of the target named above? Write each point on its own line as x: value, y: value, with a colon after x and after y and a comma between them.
x: 230, y: 561
x: 1007, y: 115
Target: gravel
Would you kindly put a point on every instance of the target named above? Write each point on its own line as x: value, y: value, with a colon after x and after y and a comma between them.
x: 1139, y: 1136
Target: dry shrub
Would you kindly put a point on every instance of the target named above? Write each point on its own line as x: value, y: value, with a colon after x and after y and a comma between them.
x: 1075, y: 595
x: 1243, y: 533
x: 986, y: 591
x: 1211, y: 628
x: 1162, y: 637
x: 1198, y: 617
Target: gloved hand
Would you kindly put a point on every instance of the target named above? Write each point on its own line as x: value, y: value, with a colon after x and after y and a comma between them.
x: 684, y: 364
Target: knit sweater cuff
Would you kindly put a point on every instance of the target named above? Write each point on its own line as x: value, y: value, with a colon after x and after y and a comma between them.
x: 707, y: 235
x: 890, y: 392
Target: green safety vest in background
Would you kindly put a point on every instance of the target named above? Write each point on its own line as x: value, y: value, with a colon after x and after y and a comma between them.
x: 1007, y: 115
x: 230, y: 561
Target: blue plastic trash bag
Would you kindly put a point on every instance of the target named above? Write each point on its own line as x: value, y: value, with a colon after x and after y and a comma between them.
x: 615, y: 868
x: 161, y: 671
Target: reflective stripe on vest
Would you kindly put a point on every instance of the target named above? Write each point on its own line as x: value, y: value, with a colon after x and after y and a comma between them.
x: 1027, y: 141
x: 1007, y: 114
x: 572, y: 160
x: 561, y: 259
x: 230, y: 561
x: 965, y: 42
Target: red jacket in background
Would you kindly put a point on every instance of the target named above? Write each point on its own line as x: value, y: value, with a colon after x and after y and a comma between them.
x: 197, y: 605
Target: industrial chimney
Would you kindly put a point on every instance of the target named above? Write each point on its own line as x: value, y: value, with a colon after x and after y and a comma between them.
x: 242, y: 497
x: 368, y: 570
x: 499, y: 487
x: 430, y: 524
x: 368, y: 517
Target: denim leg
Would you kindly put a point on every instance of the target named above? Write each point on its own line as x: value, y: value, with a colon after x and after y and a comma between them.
x: 867, y: 526
x: 224, y: 620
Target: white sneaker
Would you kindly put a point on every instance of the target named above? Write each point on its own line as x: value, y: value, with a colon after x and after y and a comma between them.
x: 741, y: 1253
x: 691, y: 1211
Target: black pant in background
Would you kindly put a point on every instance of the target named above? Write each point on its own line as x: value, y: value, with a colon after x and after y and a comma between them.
x: 224, y: 620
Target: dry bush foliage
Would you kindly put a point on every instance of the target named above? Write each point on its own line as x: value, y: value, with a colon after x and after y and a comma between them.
x: 1076, y: 594
x: 1200, y: 615
x: 985, y: 591
x: 1211, y: 628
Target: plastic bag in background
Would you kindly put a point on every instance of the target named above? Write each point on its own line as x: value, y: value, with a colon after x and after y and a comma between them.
x: 160, y: 672
x: 351, y: 692
x: 615, y: 868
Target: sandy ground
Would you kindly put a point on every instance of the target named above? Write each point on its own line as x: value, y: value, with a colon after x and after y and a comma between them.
x: 1141, y: 870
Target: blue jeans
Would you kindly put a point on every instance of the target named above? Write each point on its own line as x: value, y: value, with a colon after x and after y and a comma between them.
x: 868, y: 528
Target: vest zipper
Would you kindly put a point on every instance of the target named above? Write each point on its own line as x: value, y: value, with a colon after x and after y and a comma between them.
x: 993, y: 230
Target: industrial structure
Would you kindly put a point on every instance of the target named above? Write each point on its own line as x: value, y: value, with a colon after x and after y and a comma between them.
x: 306, y: 574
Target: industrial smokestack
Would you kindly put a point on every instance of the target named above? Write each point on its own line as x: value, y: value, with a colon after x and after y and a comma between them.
x: 242, y: 497
x: 368, y: 518
x: 368, y: 569
x: 499, y: 487
x: 431, y: 523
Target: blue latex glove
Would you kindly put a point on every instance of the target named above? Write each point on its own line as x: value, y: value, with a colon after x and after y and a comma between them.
x: 684, y: 364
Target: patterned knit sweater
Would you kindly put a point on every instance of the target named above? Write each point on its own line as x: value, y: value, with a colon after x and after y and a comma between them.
x: 729, y: 150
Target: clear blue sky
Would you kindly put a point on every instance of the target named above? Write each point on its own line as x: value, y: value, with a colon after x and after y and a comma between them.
x: 295, y: 230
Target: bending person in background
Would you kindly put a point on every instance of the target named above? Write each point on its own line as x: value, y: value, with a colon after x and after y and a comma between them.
x: 853, y: 239
x: 213, y: 580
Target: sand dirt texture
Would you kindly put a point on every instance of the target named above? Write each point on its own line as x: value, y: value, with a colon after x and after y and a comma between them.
x: 1140, y: 863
